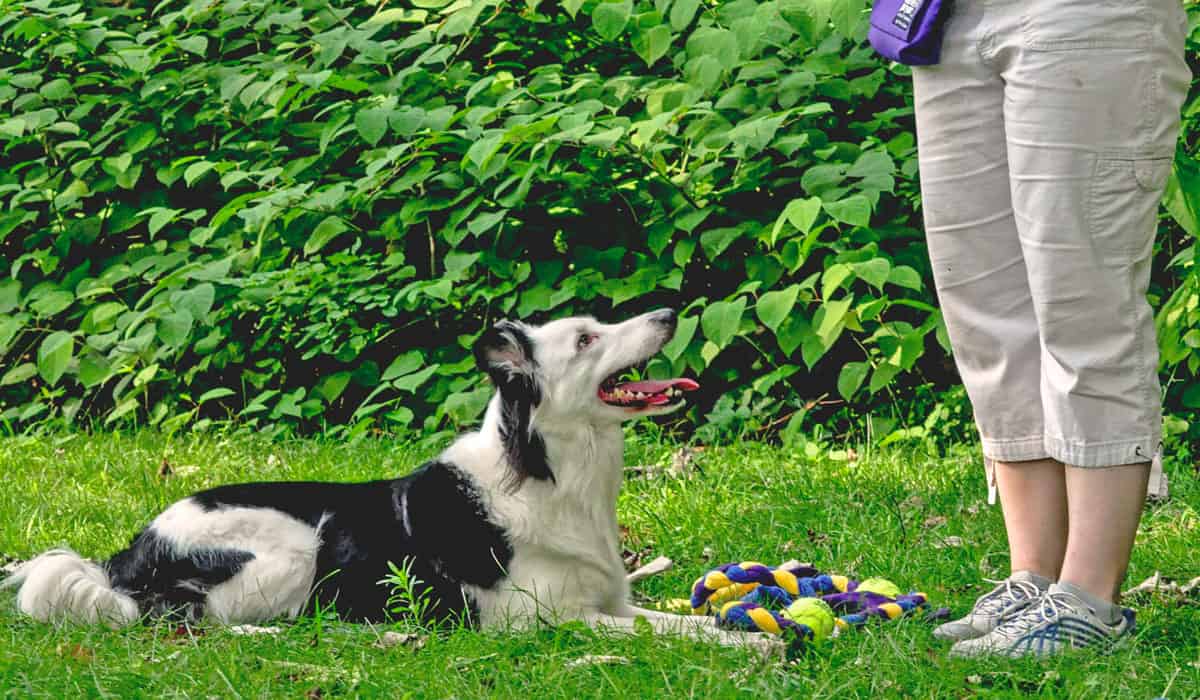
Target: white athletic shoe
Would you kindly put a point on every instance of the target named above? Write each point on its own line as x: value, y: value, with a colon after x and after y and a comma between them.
x: 1010, y: 595
x: 1055, y: 623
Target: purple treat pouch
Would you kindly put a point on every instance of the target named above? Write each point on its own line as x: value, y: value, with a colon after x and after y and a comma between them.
x: 908, y: 31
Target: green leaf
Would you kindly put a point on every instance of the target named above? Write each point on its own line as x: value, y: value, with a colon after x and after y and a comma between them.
x: 851, y: 377
x: 884, y: 374
x: 332, y: 386
x: 682, y: 12
x: 905, y: 276
x: 13, y: 128
x: 681, y: 254
x: 854, y: 210
x: 197, y: 301
x: 715, y: 241
x: 329, y: 228
x: 52, y: 303
x: 721, y: 320
x: 9, y: 327
x: 833, y: 318
x: 139, y: 138
x: 872, y: 165
x: 410, y: 382
x: 833, y: 278
x: 117, y: 165
x: 396, y: 14
x: 56, y: 89
x: 404, y: 364
x: 100, y: 318
x: 1190, y: 398
x: 18, y: 374
x: 196, y: 170
x: 93, y: 370
x: 174, y: 328
x: 684, y: 332
x: 161, y: 218
x: 214, y: 394
x: 10, y: 293
x: 485, y: 222
x: 845, y: 15
x: 719, y: 43
x: 774, y: 307
x: 792, y: 333
x: 146, y: 375
x: 54, y: 354
x: 1182, y: 198
x: 874, y: 271
x: 196, y: 44
x: 609, y: 17
x: 800, y: 213
x: 372, y: 123
x: 652, y: 44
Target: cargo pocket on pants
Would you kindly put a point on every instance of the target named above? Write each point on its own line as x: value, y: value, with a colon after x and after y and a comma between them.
x: 1123, y: 206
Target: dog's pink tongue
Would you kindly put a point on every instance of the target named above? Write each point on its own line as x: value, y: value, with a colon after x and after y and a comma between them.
x: 657, y: 386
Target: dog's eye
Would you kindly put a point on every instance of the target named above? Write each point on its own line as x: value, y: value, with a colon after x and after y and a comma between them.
x: 584, y: 340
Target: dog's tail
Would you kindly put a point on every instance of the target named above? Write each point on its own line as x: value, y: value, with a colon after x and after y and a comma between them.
x: 60, y: 585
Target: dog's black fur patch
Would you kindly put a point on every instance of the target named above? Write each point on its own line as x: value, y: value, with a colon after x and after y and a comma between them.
x: 449, y: 539
x: 505, y: 352
x: 167, y: 584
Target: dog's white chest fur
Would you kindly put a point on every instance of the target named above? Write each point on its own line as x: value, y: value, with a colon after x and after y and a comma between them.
x: 564, y: 535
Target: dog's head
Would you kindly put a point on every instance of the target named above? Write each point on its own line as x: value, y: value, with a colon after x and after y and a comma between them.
x: 569, y: 372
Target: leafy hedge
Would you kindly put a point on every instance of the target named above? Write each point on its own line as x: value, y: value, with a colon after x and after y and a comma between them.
x: 301, y: 214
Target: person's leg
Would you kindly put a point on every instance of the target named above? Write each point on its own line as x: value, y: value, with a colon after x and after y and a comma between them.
x: 1091, y: 114
x: 1093, y: 93
x: 982, y: 284
x: 1105, y: 506
x: 1033, y: 496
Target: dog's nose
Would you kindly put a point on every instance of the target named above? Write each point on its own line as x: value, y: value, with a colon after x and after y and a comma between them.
x: 666, y: 317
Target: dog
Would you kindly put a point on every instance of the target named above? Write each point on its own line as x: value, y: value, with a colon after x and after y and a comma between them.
x: 511, y: 526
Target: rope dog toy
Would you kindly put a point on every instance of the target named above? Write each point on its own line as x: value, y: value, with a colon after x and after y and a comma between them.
x: 749, y: 595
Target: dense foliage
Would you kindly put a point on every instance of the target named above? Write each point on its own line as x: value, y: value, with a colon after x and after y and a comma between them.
x: 302, y: 214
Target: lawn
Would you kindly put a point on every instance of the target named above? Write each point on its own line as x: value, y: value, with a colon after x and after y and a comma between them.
x: 915, y: 518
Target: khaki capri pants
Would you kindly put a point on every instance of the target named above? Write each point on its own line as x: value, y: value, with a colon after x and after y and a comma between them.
x: 1046, y: 138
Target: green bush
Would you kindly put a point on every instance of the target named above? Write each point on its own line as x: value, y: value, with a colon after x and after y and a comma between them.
x: 302, y: 214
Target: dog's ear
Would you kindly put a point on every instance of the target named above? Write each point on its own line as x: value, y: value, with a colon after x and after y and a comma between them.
x: 505, y: 352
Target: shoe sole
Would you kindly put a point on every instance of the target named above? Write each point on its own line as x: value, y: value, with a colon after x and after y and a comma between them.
x: 973, y: 633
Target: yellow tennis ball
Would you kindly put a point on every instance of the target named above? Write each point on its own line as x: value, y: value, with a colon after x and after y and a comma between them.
x: 814, y: 613
x: 882, y: 586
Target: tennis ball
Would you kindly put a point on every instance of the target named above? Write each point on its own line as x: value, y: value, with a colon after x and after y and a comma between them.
x: 814, y: 613
x: 882, y: 586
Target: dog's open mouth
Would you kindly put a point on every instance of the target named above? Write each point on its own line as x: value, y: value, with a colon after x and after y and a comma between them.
x: 644, y: 393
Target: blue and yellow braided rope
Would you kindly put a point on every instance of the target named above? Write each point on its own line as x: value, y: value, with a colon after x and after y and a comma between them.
x: 750, y: 595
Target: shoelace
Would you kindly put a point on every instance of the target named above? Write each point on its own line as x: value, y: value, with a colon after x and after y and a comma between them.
x: 1047, y: 609
x: 1014, y: 592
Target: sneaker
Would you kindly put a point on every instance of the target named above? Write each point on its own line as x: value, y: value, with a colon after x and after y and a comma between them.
x: 1012, y: 594
x: 1055, y: 623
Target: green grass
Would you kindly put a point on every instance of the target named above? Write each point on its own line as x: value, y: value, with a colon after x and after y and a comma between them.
x: 882, y: 515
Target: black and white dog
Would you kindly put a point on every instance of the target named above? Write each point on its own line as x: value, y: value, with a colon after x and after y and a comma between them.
x: 513, y: 524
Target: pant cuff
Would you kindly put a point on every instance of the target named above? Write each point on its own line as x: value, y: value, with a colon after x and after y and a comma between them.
x: 1015, y: 450
x: 1103, y: 454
